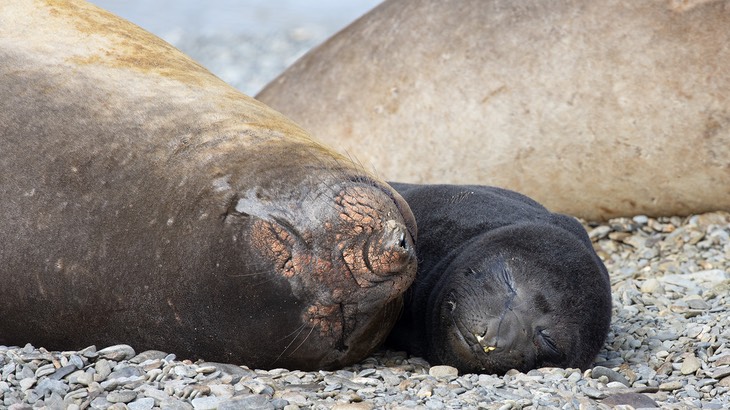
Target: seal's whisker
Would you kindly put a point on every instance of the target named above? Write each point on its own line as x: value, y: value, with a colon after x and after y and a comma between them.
x: 305, y: 339
x: 249, y: 274
x: 298, y: 332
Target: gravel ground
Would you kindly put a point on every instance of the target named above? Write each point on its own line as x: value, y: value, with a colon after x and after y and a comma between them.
x: 229, y: 56
x: 668, y: 347
x: 247, y: 43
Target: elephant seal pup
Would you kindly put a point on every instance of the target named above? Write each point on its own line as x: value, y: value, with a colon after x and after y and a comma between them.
x: 147, y: 202
x: 596, y: 109
x: 502, y: 283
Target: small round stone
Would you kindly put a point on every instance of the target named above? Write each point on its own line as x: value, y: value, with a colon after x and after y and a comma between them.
x: 611, y: 375
x: 117, y: 352
x: 206, y: 403
x: 690, y: 365
x: 145, y: 403
x: 121, y: 396
x: 443, y: 371
x: 635, y: 400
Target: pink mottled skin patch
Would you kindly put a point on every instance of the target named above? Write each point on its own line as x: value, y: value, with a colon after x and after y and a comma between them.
x: 360, y: 255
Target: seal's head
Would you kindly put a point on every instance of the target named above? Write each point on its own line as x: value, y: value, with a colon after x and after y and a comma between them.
x: 520, y: 297
x: 337, y: 249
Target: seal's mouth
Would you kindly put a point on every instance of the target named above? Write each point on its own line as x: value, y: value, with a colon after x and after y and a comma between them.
x: 474, y: 340
x: 475, y: 353
x: 480, y: 340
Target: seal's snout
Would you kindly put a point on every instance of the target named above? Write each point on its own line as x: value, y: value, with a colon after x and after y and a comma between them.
x: 501, y: 334
x: 382, y: 247
x: 396, y: 232
x: 487, y: 344
x: 389, y: 251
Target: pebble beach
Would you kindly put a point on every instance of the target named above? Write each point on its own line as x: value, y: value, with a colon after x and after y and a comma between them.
x: 668, y: 347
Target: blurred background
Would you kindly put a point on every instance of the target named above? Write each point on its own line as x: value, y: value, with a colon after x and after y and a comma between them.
x: 247, y: 43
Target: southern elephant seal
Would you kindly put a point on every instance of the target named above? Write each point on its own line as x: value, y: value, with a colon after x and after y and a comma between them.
x: 594, y: 108
x: 147, y: 202
x: 502, y: 283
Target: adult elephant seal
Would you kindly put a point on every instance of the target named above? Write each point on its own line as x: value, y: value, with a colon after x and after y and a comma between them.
x: 145, y: 201
x: 502, y: 283
x: 594, y: 108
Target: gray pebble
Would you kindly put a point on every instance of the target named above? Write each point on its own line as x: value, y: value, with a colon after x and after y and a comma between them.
x: 223, y: 391
x: 122, y: 382
x: 103, y: 369
x: 250, y: 402
x: 26, y: 372
x: 665, y: 336
x: 145, y: 403
x: 443, y: 371
x: 294, y: 398
x: 280, y: 403
x: 720, y: 372
x: 173, y: 404
x: 593, y: 392
x: 100, y: 403
x: 599, y: 232
x: 117, y: 352
x: 148, y: 355
x: 81, y: 377
x: 121, y: 396
x: 206, y: 403
x: 89, y: 352
x: 45, y: 370
x: 27, y: 383
x: 690, y: 365
x: 230, y: 369
x: 77, y: 361
x: 612, y: 375
x: 671, y: 385
x: 154, y: 393
x: 636, y: 400
x: 259, y: 388
x: 64, y: 371
x: 48, y: 386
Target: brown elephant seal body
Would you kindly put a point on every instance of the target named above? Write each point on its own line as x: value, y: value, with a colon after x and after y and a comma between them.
x: 147, y: 202
x: 595, y: 109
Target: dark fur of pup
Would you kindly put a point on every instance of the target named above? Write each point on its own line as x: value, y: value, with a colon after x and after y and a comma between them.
x: 502, y: 283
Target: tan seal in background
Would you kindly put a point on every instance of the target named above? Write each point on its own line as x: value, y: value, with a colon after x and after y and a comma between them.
x: 145, y: 201
x: 596, y: 109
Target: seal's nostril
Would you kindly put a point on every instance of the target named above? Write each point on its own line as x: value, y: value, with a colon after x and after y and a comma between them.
x: 394, y: 234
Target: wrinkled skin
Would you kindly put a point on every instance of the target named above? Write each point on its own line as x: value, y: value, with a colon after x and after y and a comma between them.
x: 502, y: 283
x: 147, y: 202
x: 595, y: 109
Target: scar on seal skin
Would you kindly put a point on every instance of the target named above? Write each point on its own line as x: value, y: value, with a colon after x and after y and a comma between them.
x: 502, y: 283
